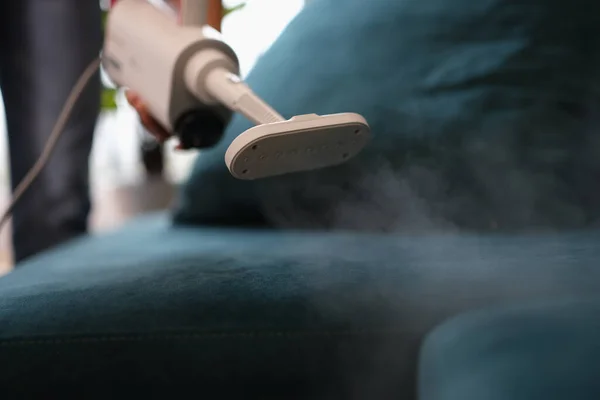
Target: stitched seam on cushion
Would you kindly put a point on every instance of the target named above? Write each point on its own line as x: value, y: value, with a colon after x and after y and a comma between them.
x: 193, y: 336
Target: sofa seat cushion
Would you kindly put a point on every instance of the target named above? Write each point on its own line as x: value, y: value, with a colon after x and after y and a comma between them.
x: 156, y: 306
x: 537, y: 352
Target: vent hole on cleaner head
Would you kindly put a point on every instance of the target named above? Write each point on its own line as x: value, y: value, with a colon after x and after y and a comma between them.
x: 357, y: 132
x: 255, y: 147
x: 245, y: 171
x: 345, y: 155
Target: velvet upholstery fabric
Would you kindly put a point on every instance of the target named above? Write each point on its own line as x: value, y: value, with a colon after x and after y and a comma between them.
x: 546, y: 351
x: 484, y: 116
x: 287, y: 314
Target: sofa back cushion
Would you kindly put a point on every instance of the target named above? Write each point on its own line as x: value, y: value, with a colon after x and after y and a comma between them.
x: 482, y: 114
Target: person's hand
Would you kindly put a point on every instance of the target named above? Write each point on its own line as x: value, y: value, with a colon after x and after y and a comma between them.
x: 147, y: 120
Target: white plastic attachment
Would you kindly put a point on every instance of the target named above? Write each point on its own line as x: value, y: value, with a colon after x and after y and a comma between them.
x: 214, y: 79
x: 237, y: 96
x: 303, y: 143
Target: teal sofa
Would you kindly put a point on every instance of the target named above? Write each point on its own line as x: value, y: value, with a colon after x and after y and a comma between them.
x: 156, y: 309
x: 455, y: 258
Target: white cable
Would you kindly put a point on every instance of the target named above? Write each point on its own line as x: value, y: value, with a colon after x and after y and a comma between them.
x: 55, y: 135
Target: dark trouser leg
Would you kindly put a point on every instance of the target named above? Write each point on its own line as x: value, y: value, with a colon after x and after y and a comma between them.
x: 44, y: 48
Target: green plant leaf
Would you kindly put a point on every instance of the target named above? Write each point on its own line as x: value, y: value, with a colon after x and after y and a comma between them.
x: 108, y: 95
x: 227, y: 11
x: 104, y: 18
x: 108, y: 100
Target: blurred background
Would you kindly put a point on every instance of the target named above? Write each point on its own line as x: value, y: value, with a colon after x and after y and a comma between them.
x: 129, y: 173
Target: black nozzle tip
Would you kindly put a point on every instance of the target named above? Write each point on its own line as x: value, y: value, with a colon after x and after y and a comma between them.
x: 199, y: 129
